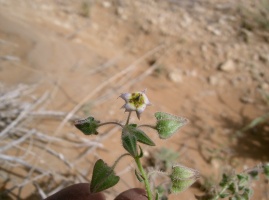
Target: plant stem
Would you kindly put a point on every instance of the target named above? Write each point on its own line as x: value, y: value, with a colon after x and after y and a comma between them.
x: 145, y: 177
x: 148, y: 126
x: 116, y: 162
x: 128, y: 119
x: 217, y: 196
x: 106, y: 123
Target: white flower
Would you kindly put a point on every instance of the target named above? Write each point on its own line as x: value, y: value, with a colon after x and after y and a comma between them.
x: 137, y: 101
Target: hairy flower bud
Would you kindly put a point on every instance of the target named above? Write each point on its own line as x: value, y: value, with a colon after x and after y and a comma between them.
x: 168, y: 124
x: 182, y: 177
x: 88, y: 126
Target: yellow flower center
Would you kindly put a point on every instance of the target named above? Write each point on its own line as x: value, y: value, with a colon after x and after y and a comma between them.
x: 137, y: 99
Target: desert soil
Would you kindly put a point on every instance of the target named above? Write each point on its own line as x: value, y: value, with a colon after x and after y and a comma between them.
x: 194, y: 58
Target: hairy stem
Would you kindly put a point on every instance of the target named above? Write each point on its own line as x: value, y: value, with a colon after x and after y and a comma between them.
x: 119, y: 158
x: 145, y: 177
x: 147, y: 125
x: 106, y: 123
x: 128, y: 119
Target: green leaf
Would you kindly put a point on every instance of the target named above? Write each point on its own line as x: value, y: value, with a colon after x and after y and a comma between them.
x: 103, y: 177
x: 88, y: 126
x: 266, y: 170
x: 225, y: 180
x: 254, y: 174
x: 232, y: 188
x: 129, y: 143
x: 157, y: 196
x: 168, y: 124
x: 139, y: 176
x: 140, y: 135
x: 247, y: 194
x: 141, y: 152
x: 224, y: 195
x: 243, y: 180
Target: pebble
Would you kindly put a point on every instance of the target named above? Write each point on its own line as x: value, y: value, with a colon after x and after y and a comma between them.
x: 213, y: 80
x: 264, y: 86
x: 106, y: 4
x: 214, y: 30
x: 120, y: 12
x: 227, y: 66
x: 247, y: 100
x: 175, y: 77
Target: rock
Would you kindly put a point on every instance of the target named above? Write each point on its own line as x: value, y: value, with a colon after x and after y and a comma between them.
x: 264, y: 58
x: 227, y: 66
x: 213, y: 80
x: 106, y: 4
x: 121, y: 13
x: 175, y: 77
x: 214, y: 30
x: 247, y: 100
x: 264, y: 86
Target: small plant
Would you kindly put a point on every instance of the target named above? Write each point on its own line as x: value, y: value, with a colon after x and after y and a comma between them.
x: 238, y: 186
x: 255, y: 16
x: 85, y: 9
x: 104, y: 177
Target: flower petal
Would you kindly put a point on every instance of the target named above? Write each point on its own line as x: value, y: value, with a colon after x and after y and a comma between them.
x: 129, y: 107
x: 126, y: 96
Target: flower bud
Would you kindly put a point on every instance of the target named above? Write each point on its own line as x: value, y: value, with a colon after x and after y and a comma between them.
x: 181, y: 172
x: 168, y: 124
x: 182, y: 177
x: 88, y: 126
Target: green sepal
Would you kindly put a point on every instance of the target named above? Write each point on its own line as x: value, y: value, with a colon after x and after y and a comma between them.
x: 140, y: 135
x: 181, y: 185
x: 168, y: 124
x: 182, y: 172
x: 103, y: 177
x: 129, y: 142
x: 139, y: 176
x: 88, y: 126
x: 182, y: 177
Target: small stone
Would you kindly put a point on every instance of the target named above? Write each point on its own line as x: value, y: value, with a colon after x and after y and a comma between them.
x: 120, y: 12
x: 106, y: 4
x: 227, y: 66
x: 247, y: 100
x: 175, y: 77
x: 213, y: 80
x: 214, y: 30
x: 264, y: 58
x: 264, y: 86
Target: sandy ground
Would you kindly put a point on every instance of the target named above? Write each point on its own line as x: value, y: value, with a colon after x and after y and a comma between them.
x: 192, y: 56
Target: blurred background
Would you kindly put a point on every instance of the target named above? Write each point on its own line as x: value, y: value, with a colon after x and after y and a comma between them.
x: 61, y: 60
